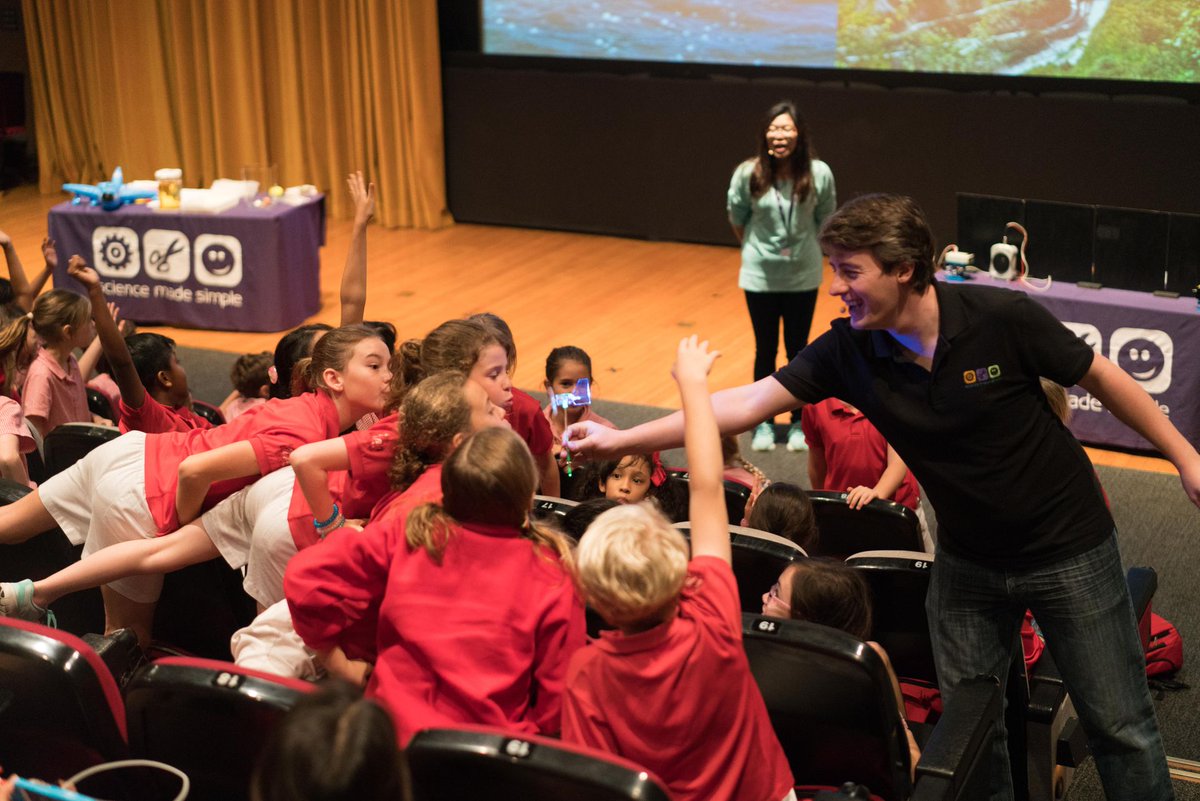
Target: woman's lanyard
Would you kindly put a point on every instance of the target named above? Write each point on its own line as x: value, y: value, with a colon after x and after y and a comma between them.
x: 786, y: 220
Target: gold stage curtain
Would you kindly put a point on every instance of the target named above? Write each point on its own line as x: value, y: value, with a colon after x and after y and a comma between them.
x: 315, y: 87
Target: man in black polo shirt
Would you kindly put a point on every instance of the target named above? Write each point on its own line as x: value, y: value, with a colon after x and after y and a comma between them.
x: 949, y: 375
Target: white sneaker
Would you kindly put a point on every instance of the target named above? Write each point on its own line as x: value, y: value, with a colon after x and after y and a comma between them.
x: 764, y: 438
x: 16, y: 600
x: 795, y: 440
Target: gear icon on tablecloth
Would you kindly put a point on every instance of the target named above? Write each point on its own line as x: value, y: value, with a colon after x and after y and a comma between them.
x: 116, y: 252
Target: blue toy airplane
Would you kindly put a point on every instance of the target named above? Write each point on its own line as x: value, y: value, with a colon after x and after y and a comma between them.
x: 108, y: 195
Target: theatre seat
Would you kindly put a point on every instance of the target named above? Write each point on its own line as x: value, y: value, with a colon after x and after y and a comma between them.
x: 548, y: 507
x: 60, y: 708
x: 100, y: 405
x: 70, y: 442
x: 899, y: 582
x: 880, y: 525
x: 758, y: 559
x: 737, y: 495
x: 209, y: 412
x: 833, y: 708
x: 481, y: 763
x: 78, y: 613
x: 209, y: 719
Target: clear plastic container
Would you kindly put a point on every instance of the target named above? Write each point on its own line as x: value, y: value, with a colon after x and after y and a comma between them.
x: 170, y: 181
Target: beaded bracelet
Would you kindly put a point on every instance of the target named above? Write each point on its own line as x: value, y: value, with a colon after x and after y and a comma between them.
x: 332, y: 518
x: 337, y: 523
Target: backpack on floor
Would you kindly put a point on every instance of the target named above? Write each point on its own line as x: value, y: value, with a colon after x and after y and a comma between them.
x: 1164, y: 652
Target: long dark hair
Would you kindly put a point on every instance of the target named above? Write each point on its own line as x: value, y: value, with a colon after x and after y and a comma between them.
x: 766, y: 166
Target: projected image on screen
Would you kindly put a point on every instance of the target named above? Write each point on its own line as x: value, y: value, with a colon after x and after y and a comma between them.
x: 1156, y: 40
x: 777, y: 32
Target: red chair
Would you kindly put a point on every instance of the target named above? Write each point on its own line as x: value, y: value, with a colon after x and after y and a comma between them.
x: 479, y: 762
x: 60, y: 707
x: 210, y: 719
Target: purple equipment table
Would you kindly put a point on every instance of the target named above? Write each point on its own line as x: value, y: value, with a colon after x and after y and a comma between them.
x: 245, y: 269
x: 1156, y: 340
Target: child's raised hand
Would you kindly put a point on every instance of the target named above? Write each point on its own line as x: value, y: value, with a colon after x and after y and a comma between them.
x: 49, y: 252
x: 5, y: 240
x: 78, y: 269
x: 693, y: 360
x: 363, y: 195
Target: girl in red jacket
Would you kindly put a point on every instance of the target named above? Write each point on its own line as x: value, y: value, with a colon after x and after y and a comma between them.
x: 479, y: 615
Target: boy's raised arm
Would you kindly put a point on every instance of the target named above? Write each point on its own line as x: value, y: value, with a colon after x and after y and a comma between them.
x: 701, y: 437
x: 115, y: 349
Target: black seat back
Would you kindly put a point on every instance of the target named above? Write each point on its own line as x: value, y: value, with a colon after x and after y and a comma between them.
x: 70, y: 442
x: 831, y: 704
x: 59, y: 706
x: 737, y: 495
x: 209, y: 412
x: 100, y: 405
x: 880, y: 525
x: 899, y: 582
x: 759, y: 557
x: 78, y: 613
x: 451, y: 764
x: 209, y: 719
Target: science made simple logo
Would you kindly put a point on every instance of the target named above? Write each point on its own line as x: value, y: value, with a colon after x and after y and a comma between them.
x: 981, y: 375
x: 214, y: 259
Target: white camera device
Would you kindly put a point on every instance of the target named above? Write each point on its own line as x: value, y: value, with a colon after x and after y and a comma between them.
x: 1004, y: 262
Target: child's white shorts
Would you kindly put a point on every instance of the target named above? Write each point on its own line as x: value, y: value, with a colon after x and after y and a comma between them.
x: 101, y: 501
x: 271, y: 644
x: 250, y: 529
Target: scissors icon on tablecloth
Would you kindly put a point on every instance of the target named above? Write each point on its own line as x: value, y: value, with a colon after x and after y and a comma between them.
x: 160, y: 260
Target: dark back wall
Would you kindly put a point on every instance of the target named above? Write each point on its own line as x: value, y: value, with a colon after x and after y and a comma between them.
x: 645, y: 156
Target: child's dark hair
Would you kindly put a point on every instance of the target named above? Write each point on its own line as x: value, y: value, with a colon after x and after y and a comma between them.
x: 566, y: 353
x: 432, y: 413
x: 334, y: 745
x: 291, y: 348
x: 785, y: 509
x: 453, y: 345
x: 831, y: 593
x: 151, y: 354
x: 386, y: 332
x: 7, y: 295
x: 670, y: 496
x: 332, y: 351
x: 504, y: 335
x: 251, y: 372
x: 579, y: 517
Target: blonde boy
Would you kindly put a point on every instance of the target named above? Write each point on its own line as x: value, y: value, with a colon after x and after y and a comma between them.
x: 671, y: 688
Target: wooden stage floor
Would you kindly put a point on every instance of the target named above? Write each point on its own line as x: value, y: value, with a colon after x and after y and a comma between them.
x: 626, y: 302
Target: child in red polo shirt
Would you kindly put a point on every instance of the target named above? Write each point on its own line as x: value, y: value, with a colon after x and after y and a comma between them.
x: 54, y: 392
x: 848, y: 454
x: 478, y: 614
x: 524, y: 413
x: 441, y: 411
x: 671, y: 689
x: 153, y: 386
x: 143, y: 485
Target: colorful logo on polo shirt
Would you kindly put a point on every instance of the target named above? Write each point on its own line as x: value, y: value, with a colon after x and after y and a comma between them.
x: 981, y: 375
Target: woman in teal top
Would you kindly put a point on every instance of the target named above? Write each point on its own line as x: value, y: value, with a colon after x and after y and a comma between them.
x: 777, y: 202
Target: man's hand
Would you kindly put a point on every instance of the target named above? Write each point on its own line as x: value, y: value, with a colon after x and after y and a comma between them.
x: 693, y: 361
x: 858, y: 497
x: 49, y: 253
x: 363, y: 195
x: 587, y: 440
x: 78, y: 269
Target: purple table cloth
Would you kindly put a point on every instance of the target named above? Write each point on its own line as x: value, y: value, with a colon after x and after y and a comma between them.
x: 1156, y: 340
x: 245, y: 269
